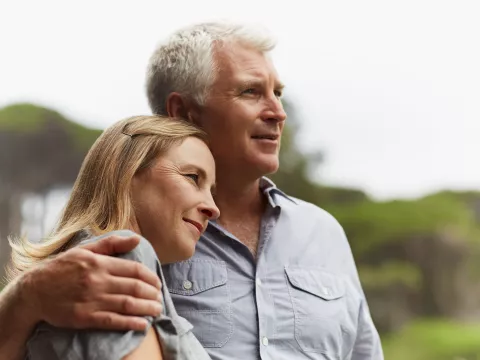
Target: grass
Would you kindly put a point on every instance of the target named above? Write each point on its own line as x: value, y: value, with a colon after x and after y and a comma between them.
x: 434, y: 339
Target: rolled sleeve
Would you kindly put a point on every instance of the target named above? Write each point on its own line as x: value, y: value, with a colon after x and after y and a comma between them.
x: 51, y: 343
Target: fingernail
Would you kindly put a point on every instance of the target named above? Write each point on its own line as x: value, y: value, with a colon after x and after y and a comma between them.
x: 142, y: 323
x: 160, y: 298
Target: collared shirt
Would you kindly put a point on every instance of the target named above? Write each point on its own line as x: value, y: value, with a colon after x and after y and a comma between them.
x: 300, y: 299
x: 177, y: 341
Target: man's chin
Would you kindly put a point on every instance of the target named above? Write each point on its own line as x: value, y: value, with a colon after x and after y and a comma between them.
x: 251, y: 170
x: 268, y: 167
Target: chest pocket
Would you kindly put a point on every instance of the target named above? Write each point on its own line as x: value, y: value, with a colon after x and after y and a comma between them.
x: 200, y: 292
x: 323, y: 320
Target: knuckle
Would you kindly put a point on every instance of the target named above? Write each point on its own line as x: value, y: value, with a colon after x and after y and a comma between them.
x: 76, y: 253
x: 76, y: 256
x: 87, y: 282
x: 128, y: 305
x: 109, y: 240
x: 107, y: 321
x: 137, y: 289
x: 80, y: 318
x: 137, y: 269
x: 93, y: 260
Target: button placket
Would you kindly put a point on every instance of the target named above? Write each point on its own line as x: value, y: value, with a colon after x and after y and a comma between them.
x: 264, y: 341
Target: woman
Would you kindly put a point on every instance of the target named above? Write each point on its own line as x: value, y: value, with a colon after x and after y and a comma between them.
x: 146, y: 174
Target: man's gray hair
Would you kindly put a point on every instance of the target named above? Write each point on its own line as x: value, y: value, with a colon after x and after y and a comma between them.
x: 185, y: 62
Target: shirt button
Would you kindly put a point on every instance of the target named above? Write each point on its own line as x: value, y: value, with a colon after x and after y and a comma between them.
x: 259, y: 282
x: 325, y: 291
x: 187, y: 285
x: 265, y: 341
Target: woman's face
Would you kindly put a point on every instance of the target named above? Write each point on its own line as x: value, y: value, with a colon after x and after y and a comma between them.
x: 173, y: 199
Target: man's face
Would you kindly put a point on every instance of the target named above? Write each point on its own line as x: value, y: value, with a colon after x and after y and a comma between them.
x: 243, y: 114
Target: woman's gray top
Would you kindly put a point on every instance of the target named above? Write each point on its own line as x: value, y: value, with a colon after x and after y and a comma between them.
x: 177, y: 340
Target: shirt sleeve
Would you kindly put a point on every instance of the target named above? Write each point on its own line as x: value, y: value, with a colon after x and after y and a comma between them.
x: 367, y: 344
x: 51, y: 343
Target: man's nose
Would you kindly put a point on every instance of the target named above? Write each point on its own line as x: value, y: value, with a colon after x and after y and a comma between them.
x: 274, y: 111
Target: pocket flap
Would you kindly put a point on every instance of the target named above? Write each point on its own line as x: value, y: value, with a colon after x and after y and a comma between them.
x: 316, y: 282
x: 194, y: 276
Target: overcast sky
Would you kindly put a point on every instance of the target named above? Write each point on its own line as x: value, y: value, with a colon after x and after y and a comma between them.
x: 389, y: 90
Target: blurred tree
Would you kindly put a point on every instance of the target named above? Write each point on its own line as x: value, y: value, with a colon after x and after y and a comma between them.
x: 297, y: 166
x: 39, y: 150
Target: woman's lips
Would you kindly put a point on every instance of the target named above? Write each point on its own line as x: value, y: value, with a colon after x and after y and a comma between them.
x: 196, y: 224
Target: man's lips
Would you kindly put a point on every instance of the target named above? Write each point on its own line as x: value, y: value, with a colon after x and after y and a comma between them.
x: 196, y: 224
x: 270, y: 136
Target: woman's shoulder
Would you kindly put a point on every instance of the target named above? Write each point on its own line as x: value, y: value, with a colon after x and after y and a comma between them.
x: 50, y: 342
x: 143, y: 252
x: 86, y: 236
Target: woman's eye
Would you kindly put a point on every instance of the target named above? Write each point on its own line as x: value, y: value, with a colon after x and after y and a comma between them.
x: 278, y: 93
x: 194, y: 177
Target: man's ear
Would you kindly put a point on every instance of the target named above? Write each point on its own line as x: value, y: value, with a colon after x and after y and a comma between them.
x: 180, y: 107
x: 177, y: 106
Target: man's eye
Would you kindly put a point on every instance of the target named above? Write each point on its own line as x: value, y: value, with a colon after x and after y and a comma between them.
x: 249, y: 91
x: 193, y: 177
x: 278, y: 93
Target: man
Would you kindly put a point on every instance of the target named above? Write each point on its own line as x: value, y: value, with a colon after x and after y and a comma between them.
x: 274, y: 277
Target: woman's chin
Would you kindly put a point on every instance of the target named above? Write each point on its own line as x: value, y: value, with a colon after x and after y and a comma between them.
x: 187, y: 250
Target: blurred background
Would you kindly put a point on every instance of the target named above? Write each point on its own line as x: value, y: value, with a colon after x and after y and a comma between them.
x: 383, y: 128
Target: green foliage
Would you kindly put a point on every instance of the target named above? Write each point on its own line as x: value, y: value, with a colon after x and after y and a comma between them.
x: 391, y: 272
x: 369, y: 224
x: 32, y: 118
x: 293, y: 176
x: 434, y: 339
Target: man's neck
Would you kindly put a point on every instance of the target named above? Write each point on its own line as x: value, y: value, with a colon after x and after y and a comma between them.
x: 238, y: 201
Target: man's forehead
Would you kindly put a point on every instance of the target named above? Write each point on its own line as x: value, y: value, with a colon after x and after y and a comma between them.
x: 246, y: 63
x: 259, y: 78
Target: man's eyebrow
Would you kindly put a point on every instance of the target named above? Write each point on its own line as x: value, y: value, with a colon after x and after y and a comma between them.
x: 246, y: 83
x: 279, y: 85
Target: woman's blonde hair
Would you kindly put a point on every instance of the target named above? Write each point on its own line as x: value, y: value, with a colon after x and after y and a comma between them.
x: 100, y: 200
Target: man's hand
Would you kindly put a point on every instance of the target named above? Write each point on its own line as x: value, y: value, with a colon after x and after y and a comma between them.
x: 86, y: 288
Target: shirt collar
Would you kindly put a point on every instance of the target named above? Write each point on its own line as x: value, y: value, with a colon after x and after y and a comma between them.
x: 269, y: 188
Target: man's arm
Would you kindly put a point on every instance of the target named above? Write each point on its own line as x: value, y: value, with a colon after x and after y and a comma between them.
x: 15, y: 325
x: 81, y: 288
x: 367, y: 345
